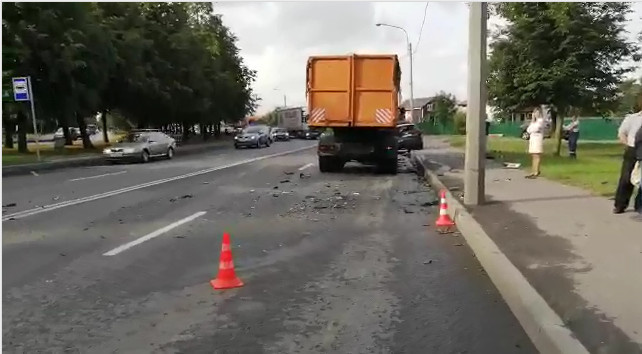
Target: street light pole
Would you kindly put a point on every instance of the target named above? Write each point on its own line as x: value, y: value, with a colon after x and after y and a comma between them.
x: 475, y: 157
x: 409, y: 46
x: 412, y: 94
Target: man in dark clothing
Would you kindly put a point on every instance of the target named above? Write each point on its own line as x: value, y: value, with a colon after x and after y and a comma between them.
x: 627, y: 135
x: 638, y: 155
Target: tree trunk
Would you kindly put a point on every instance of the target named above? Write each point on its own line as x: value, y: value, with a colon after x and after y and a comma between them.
x: 185, y: 132
x: 558, y: 119
x: 22, y: 132
x: 86, y: 142
x: 65, y: 129
x: 105, y: 134
x: 203, y: 130
x: 10, y: 129
x: 217, y: 129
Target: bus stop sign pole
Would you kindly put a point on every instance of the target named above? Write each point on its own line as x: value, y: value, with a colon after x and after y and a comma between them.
x: 23, y: 91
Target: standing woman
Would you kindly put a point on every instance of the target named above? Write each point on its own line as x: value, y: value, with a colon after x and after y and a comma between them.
x: 536, y: 141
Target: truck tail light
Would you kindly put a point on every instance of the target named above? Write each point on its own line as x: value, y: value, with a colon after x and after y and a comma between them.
x: 327, y: 148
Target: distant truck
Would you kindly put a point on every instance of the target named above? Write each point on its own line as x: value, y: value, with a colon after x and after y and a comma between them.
x: 356, y: 99
x: 291, y: 119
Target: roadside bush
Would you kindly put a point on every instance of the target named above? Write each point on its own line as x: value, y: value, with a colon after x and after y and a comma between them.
x: 460, y: 123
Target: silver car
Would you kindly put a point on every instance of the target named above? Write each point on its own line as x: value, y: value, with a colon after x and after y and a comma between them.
x: 141, y: 146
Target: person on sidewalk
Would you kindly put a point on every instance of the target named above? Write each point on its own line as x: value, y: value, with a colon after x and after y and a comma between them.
x: 638, y: 156
x: 573, y: 129
x: 536, y: 141
x: 626, y: 134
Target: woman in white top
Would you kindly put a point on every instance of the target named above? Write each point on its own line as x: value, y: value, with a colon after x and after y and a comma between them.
x: 536, y: 141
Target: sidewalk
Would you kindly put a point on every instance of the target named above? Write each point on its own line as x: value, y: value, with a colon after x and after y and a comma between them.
x: 583, y: 260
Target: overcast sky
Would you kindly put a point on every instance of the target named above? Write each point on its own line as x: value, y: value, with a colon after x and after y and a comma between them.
x: 276, y: 38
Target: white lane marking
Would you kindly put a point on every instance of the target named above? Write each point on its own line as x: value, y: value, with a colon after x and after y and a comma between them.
x: 50, y: 207
x: 305, y: 166
x: 152, y: 235
x: 98, y: 176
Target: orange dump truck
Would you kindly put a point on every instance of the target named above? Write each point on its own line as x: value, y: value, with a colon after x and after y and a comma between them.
x: 355, y: 98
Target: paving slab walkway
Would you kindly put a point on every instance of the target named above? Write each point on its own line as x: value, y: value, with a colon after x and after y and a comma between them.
x: 584, y: 261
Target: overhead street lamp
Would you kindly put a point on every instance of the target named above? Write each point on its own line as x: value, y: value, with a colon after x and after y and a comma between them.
x: 409, y: 45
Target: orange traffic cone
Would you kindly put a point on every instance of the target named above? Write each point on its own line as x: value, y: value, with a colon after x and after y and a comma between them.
x: 444, y: 223
x: 226, y: 278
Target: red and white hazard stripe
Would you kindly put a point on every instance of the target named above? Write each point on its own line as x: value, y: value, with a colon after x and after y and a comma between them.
x: 317, y: 115
x: 383, y: 116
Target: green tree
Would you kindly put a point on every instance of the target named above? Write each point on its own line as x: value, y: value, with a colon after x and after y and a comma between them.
x: 629, y: 91
x: 161, y: 65
x: 444, y: 107
x: 566, y: 55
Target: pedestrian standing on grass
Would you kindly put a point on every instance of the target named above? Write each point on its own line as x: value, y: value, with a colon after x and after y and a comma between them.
x: 536, y: 141
x: 573, y: 129
x: 626, y: 134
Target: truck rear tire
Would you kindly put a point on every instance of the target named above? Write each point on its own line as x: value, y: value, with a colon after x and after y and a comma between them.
x: 388, y: 166
x: 330, y: 164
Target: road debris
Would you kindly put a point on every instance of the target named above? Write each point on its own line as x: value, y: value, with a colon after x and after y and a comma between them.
x: 10, y: 205
x: 284, y: 181
x: 428, y: 262
x: 303, y: 175
x: 35, y: 173
x: 512, y: 165
x: 288, y: 173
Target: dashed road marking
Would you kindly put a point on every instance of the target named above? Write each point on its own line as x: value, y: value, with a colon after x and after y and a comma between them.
x: 98, y: 176
x: 305, y: 166
x: 152, y: 235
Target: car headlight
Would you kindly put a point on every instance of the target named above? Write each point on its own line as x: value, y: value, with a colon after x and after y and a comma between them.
x: 106, y: 151
x: 236, y: 137
x: 253, y: 137
x: 128, y: 151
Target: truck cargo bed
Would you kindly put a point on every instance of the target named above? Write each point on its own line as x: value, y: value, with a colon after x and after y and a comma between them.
x: 353, y: 91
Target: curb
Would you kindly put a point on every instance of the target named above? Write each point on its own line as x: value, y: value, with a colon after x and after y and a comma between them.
x: 25, y: 169
x: 543, y: 326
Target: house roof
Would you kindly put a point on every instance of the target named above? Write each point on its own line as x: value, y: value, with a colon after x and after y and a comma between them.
x: 417, y: 102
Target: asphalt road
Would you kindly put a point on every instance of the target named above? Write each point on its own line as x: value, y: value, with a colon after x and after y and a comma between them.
x: 332, y: 263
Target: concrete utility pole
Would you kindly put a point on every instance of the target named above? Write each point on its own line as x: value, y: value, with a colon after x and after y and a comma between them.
x: 409, y: 46
x: 474, y: 168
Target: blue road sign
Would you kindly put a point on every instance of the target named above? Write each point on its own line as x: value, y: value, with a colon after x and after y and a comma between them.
x: 20, y: 89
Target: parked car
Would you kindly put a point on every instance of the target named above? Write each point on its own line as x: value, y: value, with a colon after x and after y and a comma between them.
x: 548, y: 129
x: 141, y: 146
x: 280, y: 134
x: 253, y: 136
x: 92, y: 129
x: 310, y: 134
x: 74, y: 132
x: 409, y: 137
